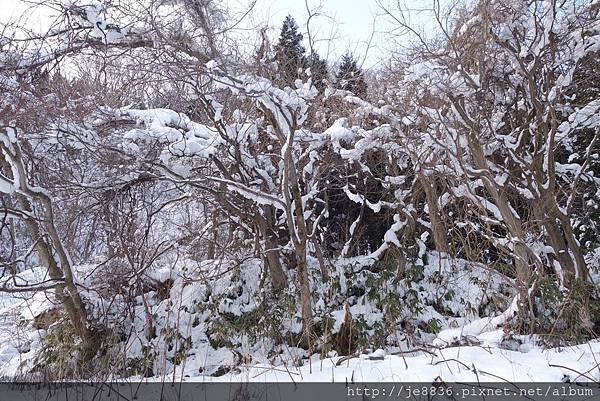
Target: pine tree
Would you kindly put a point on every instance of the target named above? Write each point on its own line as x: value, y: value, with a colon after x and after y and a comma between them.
x: 318, y: 70
x: 289, y: 53
x: 350, y: 77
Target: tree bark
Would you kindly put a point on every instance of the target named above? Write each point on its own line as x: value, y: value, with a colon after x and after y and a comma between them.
x: 59, y: 267
x: 265, y: 224
x: 438, y: 228
x: 66, y: 293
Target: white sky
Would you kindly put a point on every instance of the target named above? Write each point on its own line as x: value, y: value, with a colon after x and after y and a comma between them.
x: 339, y: 26
x: 359, y: 26
x: 11, y: 10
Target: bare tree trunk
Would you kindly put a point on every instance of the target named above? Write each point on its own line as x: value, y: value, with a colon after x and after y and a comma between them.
x: 59, y: 270
x: 576, y: 253
x: 300, y: 251
x: 305, y: 295
x: 298, y: 234
x: 322, y: 263
x: 212, y: 243
x: 559, y: 246
x: 67, y: 293
x: 438, y: 228
x: 513, y: 223
x: 271, y: 256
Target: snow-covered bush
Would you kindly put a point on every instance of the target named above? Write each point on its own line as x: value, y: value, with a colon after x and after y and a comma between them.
x: 168, y: 210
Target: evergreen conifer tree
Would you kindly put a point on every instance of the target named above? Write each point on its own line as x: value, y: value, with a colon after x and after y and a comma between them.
x: 318, y: 70
x: 350, y: 77
x: 289, y: 53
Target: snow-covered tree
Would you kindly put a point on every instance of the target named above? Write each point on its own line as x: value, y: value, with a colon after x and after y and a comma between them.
x: 318, y: 71
x: 290, y: 53
x: 350, y: 77
x: 163, y: 197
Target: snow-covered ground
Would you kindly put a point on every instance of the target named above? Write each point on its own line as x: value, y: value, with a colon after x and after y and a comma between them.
x: 487, y: 353
x: 18, y: 341
x: 487, y: 362
x: 467, y: 363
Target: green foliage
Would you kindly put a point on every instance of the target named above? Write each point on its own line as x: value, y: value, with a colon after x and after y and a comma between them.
x: 350, y: 77
x: 266, y: 321
x: 289, y: 53
x: 318, y: 71
x: 291, y: 59
x: 143, y: 366
x: 56, y: 360
x: 567, y: 315
x: 434, y: 325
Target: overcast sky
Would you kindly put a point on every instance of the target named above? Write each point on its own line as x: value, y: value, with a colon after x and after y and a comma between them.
x: 359, y: 26
x: 339, y: 26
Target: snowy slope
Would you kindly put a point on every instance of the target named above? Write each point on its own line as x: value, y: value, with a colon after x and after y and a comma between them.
x: 579, y: 363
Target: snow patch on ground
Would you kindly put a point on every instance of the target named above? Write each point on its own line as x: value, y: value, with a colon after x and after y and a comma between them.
x: 469, y: 363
